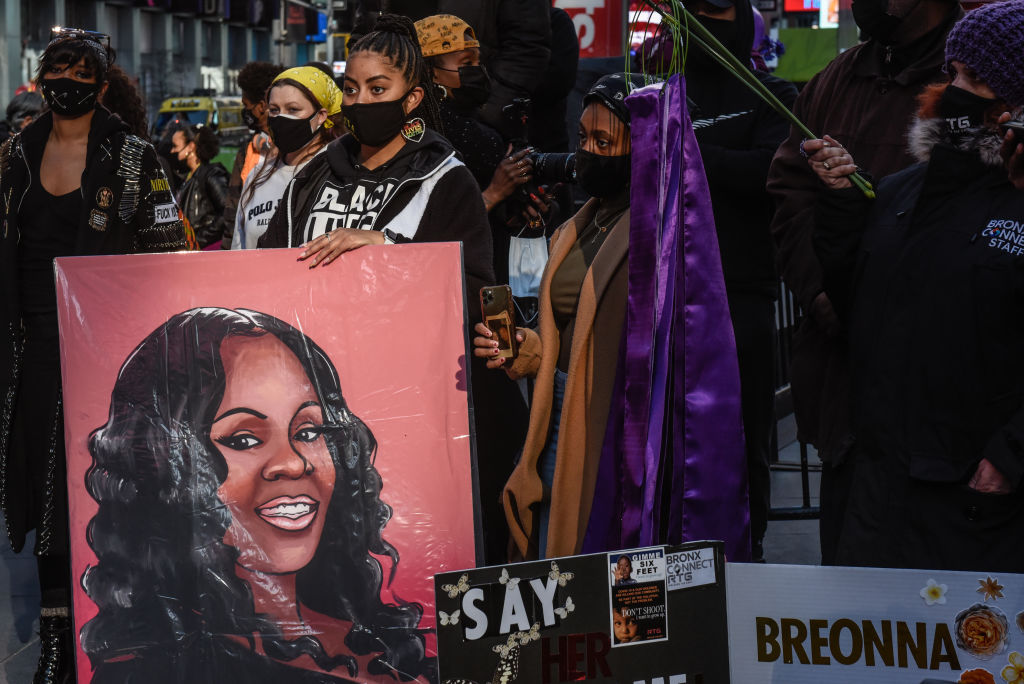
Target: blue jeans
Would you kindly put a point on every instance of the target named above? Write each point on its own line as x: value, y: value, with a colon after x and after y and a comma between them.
x: 546, y: 464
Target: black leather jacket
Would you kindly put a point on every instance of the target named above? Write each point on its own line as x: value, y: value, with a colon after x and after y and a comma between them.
x: 202, y: 198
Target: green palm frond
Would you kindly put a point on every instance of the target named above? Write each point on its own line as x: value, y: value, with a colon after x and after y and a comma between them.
x: 685, y: 30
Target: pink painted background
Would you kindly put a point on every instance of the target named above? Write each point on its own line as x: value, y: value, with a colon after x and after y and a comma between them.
x: 391, y: 320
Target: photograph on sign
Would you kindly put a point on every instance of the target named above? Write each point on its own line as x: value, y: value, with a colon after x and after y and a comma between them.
x: 254, y: 458
x: 639, y: 609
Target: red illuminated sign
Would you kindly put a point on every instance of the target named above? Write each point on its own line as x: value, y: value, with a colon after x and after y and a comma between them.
x: 599, y: 25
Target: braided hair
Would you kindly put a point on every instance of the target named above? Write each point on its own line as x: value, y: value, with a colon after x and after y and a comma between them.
x: 394, y: 37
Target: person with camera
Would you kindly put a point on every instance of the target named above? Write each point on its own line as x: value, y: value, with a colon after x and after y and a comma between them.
x: 574, y: 353
x: 463, y: 85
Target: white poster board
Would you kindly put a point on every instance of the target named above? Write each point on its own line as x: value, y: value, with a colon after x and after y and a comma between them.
x: 792, y: 624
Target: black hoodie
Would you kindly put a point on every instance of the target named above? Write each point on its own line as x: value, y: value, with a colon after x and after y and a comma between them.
x: 738, y: 134
x: 423, y: 194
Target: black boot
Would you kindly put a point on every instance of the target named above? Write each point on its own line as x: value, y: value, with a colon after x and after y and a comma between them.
x: 56, y: 651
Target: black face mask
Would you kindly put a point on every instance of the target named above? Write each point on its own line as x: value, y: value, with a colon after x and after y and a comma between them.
x: 873, y: 21
x: 722, y: 29
x: 376, y: 123
x: 600, y: 175
x: 963, y: 110
x: 69, y: 97
x: 290, y: 134
x: 179, y: 166
x: 474, y: 87
x: 250, y: 120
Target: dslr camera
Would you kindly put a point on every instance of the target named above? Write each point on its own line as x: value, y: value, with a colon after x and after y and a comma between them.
x: 548, y: 167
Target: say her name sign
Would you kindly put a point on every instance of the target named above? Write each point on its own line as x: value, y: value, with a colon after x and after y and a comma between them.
x: 601, y: 618
x: 805, y: 624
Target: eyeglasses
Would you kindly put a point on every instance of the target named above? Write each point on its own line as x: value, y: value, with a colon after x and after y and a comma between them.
x: 63, y: 32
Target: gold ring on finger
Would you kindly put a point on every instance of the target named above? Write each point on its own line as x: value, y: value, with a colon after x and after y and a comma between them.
x: 828, y: 167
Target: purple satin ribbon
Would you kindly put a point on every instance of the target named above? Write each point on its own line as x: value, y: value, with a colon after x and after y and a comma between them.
x: 674, y: 445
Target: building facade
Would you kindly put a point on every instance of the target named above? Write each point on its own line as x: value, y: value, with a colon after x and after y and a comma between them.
x: 172, y: 47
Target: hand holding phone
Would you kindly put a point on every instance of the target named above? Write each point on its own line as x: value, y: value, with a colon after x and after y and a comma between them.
x: 1013, y: 125
x: 499, y: 317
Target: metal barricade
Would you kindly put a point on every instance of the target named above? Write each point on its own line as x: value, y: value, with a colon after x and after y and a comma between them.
x: 787, y: 318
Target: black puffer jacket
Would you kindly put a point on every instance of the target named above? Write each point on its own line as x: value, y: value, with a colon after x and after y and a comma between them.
x: 930, y: 280
x: 202, y: 198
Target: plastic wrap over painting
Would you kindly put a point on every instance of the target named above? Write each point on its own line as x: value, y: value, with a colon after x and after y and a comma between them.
x: 267, y: 464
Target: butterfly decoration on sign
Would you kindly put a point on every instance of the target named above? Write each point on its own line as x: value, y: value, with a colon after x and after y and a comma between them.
x: 532, y: 635
x: 447, y: 619
x: 509, y: 582
x: 564, y: 611
x: 561, y: 577
x: 460, y: 587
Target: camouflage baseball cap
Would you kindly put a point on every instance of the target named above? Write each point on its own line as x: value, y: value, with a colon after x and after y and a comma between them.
x: 444, y: 33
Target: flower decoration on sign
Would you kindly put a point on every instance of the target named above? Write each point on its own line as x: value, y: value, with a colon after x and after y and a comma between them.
x: 933, y: 593
x: 1013, y: 673
x: 977, y: 676
x: 982, y: 631
x: 990, y: 588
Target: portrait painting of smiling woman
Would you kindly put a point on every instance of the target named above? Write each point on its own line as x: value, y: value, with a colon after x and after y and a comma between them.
x: 239, y: 530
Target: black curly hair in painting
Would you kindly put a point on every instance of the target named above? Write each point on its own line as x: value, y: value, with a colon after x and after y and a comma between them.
x: 171, y: 607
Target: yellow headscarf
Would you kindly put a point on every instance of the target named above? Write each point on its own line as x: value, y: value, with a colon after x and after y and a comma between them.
x: 323, y: 87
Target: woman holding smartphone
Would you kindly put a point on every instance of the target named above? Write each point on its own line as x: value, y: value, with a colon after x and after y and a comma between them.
x: 573, y: 355
x: 395, y: 179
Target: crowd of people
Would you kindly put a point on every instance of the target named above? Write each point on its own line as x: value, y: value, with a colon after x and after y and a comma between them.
x: 904, y: 375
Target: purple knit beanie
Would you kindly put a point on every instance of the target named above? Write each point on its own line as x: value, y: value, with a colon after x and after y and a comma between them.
x: 990, y: 40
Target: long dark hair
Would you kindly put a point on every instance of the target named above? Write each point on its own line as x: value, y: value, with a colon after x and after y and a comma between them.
x: 394, y: 37
x: 164, y: 574
x: 122, y: 98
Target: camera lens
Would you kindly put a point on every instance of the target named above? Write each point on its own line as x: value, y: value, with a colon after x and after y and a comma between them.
x: 554, y: 167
